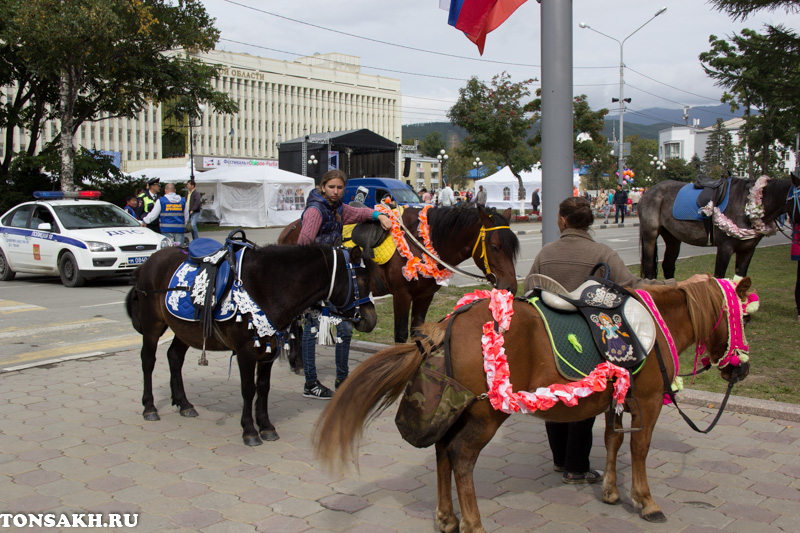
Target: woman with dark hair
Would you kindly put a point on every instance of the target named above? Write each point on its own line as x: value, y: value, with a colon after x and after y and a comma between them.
x: 569, y: 261
x: 322, y: 222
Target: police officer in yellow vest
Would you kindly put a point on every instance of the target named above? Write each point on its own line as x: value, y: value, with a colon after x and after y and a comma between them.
x: 148, y: 199
x: 168, y: 210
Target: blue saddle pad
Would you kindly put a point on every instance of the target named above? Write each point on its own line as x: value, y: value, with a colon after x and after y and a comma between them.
x: 180, y: 302
x: 685, y: 206
x: 203, y: 246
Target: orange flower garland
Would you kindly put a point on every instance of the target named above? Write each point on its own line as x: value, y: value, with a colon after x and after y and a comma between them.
x: 414, y: 265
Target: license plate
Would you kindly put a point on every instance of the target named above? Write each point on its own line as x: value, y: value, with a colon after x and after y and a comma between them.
x: 137, y: 260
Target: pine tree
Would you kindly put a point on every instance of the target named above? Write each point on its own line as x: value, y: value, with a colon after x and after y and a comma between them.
x: 720, y: 154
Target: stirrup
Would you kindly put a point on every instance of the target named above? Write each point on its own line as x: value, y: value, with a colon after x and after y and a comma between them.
x: 613, y: 421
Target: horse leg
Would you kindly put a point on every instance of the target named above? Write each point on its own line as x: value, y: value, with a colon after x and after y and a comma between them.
x: 613, y: 442
x: 649, y: 259
x: 148, y: 355
x: 743, y: 258
x: 446, y: 519
x: 724, y: 253
x: 247, y: 374
x: 640, y: 445
x: 671, y: 251
x: 266, y: 429
x: 419, y: 309
x: 295, y: 352
x: 176, y: 355
x: 402, y: 305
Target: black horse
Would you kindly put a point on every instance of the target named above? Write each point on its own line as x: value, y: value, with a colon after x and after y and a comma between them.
x: 283, y: 281
x: 656, y: 218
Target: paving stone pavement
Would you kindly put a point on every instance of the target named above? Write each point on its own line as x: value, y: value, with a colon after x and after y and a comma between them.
x: 72, y: 439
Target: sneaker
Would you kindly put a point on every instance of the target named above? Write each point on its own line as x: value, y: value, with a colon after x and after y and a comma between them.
x: 339, y: 382
x: 577, y: 478
x: 317, y: 390
x: 558, y: 468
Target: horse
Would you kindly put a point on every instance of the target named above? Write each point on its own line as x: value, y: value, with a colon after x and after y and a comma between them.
x: 456, y: 233
x: 656, y: 218
x: 690, y: 313
x: 283, y: 281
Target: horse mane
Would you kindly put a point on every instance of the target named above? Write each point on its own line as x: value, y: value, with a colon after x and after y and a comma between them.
x: 703, y: 300
x: 447, y: 222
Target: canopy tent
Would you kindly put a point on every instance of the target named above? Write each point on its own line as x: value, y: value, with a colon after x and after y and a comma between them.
x: 252, y: 197
x: 166, y: 175
x: 502, y: 188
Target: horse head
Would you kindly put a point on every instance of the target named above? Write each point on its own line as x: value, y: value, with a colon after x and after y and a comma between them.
x: 495, y: 251
x: 720, y: 327
x: 357, y: 304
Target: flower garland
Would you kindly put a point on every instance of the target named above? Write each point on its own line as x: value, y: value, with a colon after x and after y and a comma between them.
x: 414, y: 265
x: 754, y: 208
x: 495, y: 363
x: 737, y: 350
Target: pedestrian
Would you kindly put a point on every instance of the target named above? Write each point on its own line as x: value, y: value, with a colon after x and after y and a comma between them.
x: 168, y: 211
x: 535, y: 201
x: 427, y: 197
x: 446, y: 196
x: 130, y: 205
x: 795, y: 255
x: 148, y: 199
x: 636, y: 195
x: 569, y: 261
x: 620, y: 203
x: 606, y: 206
x: 194, y: 203
x: 480, y: 196
x: 322, y: 221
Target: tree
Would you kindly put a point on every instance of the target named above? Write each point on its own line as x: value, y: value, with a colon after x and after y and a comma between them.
x: 497, y: 121
x: 431, y: 144
x: 591, y: 123
x: 111, y: 57
x: 720, y: 155
x: 741, y: 9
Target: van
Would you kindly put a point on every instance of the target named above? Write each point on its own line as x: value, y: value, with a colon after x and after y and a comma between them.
x: 369, y: 191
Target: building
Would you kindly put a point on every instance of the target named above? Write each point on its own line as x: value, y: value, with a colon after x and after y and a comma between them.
x: 422, y: 171
x: 687, y: 141
x: 278, y: 100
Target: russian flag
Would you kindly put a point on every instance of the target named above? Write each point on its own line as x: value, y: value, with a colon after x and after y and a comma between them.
x: 476, y: 18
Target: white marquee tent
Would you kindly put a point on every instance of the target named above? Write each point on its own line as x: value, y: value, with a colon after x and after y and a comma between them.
x: 502, y: 187
x: 252, y: 196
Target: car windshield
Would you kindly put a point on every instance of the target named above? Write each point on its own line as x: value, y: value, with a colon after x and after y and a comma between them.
x: 405, y: 196
x: 86, y: 216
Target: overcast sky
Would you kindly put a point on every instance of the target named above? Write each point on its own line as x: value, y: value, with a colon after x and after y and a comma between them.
x: 411, y: 41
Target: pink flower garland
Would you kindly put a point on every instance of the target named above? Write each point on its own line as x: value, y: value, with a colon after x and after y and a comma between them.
x: 754, y: 208
x: 498, y: 375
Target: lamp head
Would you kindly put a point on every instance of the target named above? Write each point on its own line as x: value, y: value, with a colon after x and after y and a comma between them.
x: 584, y: 25
x: 660, y: 11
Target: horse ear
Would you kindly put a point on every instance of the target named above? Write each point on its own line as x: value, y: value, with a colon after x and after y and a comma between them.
x: 507, y: 214
x: 742, y: 287
x: 355, y: 255
x: 795, y: 179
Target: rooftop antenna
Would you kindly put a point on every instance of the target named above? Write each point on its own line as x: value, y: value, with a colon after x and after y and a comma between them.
x: 686, y: 109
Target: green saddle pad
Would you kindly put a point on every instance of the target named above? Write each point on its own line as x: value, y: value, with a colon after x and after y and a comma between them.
x: 575, y: 352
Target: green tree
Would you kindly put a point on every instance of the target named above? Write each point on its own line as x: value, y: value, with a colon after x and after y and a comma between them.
x: 678, y: 170
x: 111, y: 57
x: 741, y: 9
x: 431, y: 144
x: 591, y: 123
x: 720, y: 155
x: 497, y: 120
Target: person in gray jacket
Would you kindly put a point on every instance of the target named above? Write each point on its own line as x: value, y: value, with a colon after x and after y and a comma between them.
x: 193, y: 206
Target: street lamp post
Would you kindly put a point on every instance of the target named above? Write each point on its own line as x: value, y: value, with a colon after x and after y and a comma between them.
x: 201, y: 108
x: 442, y: 157
x: 312, y: 164
x: 478, y: 164
x: 622, y: 100
x: 657, y: 165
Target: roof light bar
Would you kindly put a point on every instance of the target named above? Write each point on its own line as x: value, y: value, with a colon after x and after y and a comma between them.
x: 58, y: 195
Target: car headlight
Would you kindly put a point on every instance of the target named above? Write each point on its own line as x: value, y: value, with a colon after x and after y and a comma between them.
x: 165, y: 242
x: 95, y: 246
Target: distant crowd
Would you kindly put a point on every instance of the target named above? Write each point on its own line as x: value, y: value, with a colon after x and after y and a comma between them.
x: 171, y: 214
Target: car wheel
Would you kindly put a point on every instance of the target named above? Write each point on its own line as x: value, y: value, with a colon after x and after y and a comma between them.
x: 68, y: 269
x: 6, y: 274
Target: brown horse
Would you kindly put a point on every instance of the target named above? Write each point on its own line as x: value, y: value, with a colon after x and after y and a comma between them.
x: 456, y: 234
x: 283, y: 281
x: 690, y: 313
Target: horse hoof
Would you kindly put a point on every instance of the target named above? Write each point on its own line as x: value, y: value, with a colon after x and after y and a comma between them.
x: 657, y: 517
x: 252, y: 440
x: 151, y: 416
x: 269, y: 434
x: 189, y: 412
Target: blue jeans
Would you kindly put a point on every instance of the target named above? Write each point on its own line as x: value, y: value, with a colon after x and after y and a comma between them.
x: 344, y: 330
x: 176, y: 237
x: 193, y: 221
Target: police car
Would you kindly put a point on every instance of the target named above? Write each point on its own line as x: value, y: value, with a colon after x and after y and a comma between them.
x: 75, y: 236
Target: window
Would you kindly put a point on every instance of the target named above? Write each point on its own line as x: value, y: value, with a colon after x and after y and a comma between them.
x: 506, y: 193
x: 42, y: 215
x: 19, y: 217
x: 672, y: 150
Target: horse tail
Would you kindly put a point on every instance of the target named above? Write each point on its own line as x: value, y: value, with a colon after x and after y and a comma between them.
x: 132, y: 303
x: 374, y: 386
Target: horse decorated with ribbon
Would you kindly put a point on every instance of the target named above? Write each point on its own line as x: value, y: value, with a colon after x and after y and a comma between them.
x: 258, y: 296
x: 447, y: 234
x: 498, y: 349
x: 734, y: 216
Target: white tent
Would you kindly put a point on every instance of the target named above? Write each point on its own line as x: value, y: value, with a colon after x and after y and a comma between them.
x: 252, y: 196
x: 166, y: 175
x: 502, y: 188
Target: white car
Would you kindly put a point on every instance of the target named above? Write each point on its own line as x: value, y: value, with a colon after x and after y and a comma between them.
x: 77, y: 238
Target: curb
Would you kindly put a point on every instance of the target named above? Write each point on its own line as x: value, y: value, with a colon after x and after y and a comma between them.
x: 601, y: 226
x: 767, y: 408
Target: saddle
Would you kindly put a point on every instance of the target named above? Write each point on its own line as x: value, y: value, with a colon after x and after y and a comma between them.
x: 694, y: 196
x: 621, y: 327
x: 369, y: 236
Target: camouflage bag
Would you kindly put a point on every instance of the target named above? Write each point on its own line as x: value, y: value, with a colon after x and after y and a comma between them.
x: 432, y: 401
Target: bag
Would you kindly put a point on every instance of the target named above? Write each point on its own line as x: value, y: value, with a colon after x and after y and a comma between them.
x: 431, y: 403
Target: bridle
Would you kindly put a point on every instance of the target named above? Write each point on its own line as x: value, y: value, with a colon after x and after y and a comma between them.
x: 353, y: 298
x: 482, y: 241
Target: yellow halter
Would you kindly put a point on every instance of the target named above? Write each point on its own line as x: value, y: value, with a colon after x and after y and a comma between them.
x: 482, y: 241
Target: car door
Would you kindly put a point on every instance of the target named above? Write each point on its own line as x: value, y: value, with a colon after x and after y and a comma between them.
x: 17, y: 238
x: 44, y: 228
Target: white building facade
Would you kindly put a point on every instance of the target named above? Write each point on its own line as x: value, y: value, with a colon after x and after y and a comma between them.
x: 278, y: 100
